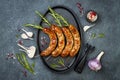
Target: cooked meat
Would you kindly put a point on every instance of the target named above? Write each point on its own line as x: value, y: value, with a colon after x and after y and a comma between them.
x: 52, y: 44
x: 69, y: 42
x: 76, y: 37
x: 61, y: 41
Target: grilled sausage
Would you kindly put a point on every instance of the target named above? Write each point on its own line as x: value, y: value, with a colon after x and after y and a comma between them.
x: 76, y: 38
x: 69, y: 42
x: 52, y: 44
x: 61, y: 41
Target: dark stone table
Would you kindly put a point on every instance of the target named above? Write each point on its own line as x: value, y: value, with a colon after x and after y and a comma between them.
x: 15, y: 13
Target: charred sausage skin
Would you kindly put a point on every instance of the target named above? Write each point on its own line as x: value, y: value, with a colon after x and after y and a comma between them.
x: 61, y: 40
x: 69, y: 42
x: 76, y: 37
x: 52, y: 44
x: 57, y: 48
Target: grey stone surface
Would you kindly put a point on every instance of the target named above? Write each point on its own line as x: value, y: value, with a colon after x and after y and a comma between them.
x: 15, y: 13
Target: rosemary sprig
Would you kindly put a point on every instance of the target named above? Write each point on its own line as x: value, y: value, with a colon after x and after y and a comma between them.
x: 19, y: 59
x: 59, y: 17
x: 54, y: 65
x: 61, y: 62
x: 27, y: 63
x: 45, y: 20
x: 24, y: 62
x: 34, y: 26
x: 56, y: 18
x: 63, y: 19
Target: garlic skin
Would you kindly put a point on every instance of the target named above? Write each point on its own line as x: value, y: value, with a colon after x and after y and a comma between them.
x: 95, y: 64
x: 29, y: 34
x: 30, y: 51
x: 87, y: 27
x: 24, y: 36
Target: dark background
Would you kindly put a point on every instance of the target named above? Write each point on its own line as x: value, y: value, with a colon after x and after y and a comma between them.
x: 15, y: 13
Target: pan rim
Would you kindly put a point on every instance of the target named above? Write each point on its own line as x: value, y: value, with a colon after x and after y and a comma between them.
x: 79, y: 27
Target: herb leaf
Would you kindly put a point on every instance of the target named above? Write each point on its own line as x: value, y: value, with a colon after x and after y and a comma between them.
x: 54, y: 65
x: 33, y: 64
x: 24, y: 62
x: 61, y: 62
x: 45, y: 20
x: 34, y: 26
x: 17, y: 35
x: 93, y: 35
x: 20, y: 61
x: 58, y: 16
x: 101, y: 35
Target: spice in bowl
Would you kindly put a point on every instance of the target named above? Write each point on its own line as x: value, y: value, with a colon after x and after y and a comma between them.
x: 92, y: 16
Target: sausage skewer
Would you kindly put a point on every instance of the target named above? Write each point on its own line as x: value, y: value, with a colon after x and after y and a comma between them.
x: 52, y: 36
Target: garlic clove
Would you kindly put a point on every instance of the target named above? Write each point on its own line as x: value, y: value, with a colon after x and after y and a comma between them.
x: 100, y: 55
x: 30, y: 34
x: 95, y: 64
x: 85, y: 28
x: 23, y: 47
x: 24, y: 36
x: 31, y: 51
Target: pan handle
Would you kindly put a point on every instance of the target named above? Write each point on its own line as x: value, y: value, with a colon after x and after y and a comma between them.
x: 81, y: 63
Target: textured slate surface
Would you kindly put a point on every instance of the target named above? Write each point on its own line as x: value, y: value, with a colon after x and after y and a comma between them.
x: 15, y: 13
